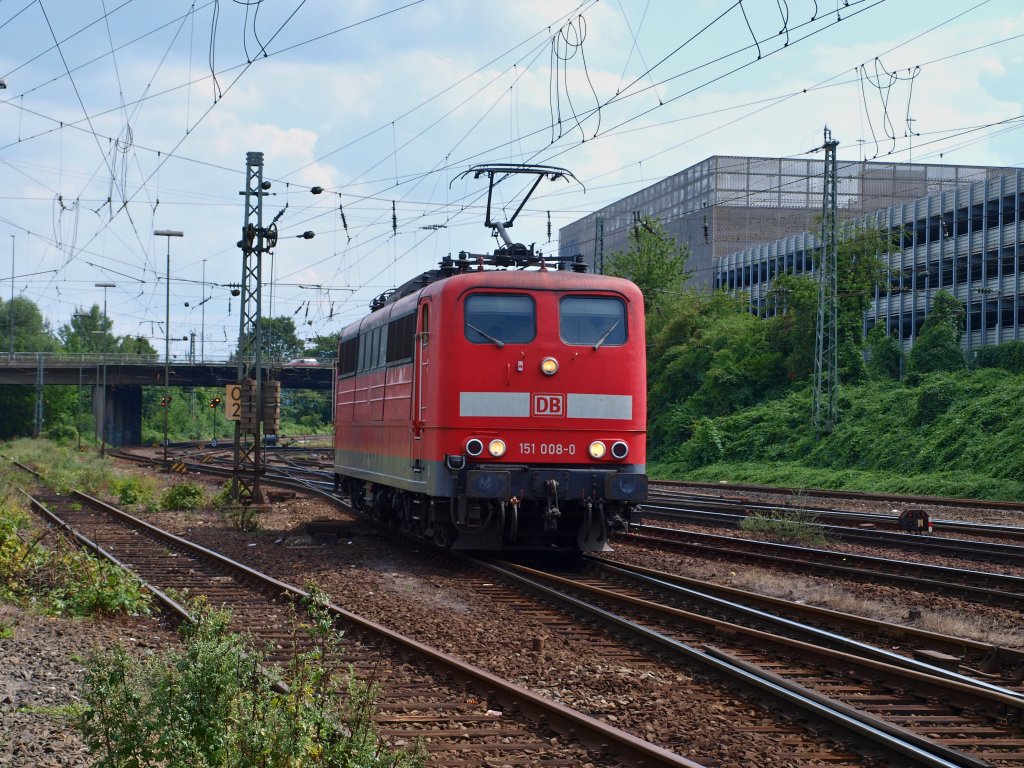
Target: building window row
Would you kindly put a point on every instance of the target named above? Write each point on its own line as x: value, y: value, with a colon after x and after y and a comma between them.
x: 996, y: 262
x: 973, y: 218
x: 983, y: 316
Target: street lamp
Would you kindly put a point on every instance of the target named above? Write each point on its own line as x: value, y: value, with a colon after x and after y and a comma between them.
x: 168, y: 233
x: 11, y: 350
x: 103, y: 398
x: 104, y: 286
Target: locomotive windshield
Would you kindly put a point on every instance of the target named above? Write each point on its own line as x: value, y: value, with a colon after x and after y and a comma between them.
x: 593, y: 320
x: 500, y: 319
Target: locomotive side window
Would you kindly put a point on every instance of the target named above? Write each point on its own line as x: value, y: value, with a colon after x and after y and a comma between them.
x: 592, y: 320
x: 401, y: 339
x: 372, y: 344
x: 500, y: 319
x: 348, y: 356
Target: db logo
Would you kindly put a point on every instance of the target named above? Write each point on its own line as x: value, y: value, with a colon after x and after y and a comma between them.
x: 548, y: 405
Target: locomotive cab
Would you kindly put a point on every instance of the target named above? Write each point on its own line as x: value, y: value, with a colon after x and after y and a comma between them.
x: 497, y: 410
x: 546, y: 377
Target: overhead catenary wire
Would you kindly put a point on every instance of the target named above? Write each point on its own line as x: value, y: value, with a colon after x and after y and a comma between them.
x: 362, y: 229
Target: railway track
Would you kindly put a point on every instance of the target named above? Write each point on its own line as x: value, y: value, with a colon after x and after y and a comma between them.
x: 754, y: 668
x: 464, y: 715
x: 868, y: 528
x: 909, y: 709
x: 935, y: 501
x: 987, y: 662
x: 800, y: 749
x: 972, y: 585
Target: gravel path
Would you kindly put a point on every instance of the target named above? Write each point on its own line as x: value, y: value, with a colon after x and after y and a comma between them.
x: 41, y: 676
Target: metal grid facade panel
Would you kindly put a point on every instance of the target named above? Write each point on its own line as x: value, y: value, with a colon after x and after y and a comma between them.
x: 965, y: 240
x: 743, y: 201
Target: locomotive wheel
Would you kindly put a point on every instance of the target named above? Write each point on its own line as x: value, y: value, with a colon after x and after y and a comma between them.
x: 357, y: 496
x: 444, y: 535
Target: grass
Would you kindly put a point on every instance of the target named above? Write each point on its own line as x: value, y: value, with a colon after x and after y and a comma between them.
x: 786, y: 525
x: 796, y: 475
x: 39, y: 568
x: 952, y: 434
x: 211, y: 703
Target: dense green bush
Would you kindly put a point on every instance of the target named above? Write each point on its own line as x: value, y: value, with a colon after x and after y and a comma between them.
x: 65, y: 434
x: 934, y: 397
x: 211, y: 704
x: 183, y: 496
x: 703, y: 447
x: 132, y: 489
x: 955, y: 434
x: 1008, y: 356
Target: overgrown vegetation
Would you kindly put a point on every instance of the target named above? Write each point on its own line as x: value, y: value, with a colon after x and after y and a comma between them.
x: 953, y: 434
x: 38, y: 567
x: 183, y: 497
x: 61, y: 467
x: 211, y: 703
x: 792, y: 524
x: 730, y: 393
x: 41, y: 569
x: 134, y: 490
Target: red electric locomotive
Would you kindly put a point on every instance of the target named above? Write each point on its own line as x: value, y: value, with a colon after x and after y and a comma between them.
x: 497, y: 403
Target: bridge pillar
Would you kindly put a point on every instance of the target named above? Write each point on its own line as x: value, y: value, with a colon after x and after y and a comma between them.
x: 121, y: 413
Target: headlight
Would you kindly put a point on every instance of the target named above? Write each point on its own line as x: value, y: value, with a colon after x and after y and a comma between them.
x: 496, y: 448
x: 619, y: 450
x: 597, y: 450
x: 474, y: 447
x: 549, y: 366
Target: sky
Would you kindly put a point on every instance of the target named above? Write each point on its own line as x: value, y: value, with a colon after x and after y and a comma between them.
x: 122, y: 117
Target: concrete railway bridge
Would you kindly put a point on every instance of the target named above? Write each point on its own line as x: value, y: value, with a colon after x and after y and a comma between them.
x: 116, y: 381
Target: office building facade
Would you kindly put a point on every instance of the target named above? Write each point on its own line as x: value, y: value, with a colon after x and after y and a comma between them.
x: 727, y: 204
x: 965, y: 241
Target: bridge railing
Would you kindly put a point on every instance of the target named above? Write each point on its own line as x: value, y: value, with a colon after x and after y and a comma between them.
x: 86, y: 359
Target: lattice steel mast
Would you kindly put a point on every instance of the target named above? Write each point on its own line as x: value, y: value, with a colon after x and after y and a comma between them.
x: 254, y: 242
x: 826, y: 358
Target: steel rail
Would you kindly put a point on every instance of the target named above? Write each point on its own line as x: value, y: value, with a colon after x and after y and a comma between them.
x: 1012, y: 554
x: 891, y: 738
x: 738, y: 506
x: 584, y: 728
x: 1002, y: 589
x: 1012, y: 506
x: 999, y: 694
x: 948, y: 643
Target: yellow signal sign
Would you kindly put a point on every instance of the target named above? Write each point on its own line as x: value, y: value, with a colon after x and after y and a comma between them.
x: 233, y: 402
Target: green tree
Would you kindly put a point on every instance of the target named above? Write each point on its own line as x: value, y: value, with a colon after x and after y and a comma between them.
x: 711, y: 358
x: 304, y: 412
x: 885, y: 358
x: 323, y: 347
x: 860, y: 271
x: 88, y: 331
x: 137, y: 346
x: 937, y: 346
x: 31, y: 331
x: 794, y: 330
x: 657, y: 264
x: 17, y: 402
x: 280, y: 342
x: 791, y: 331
